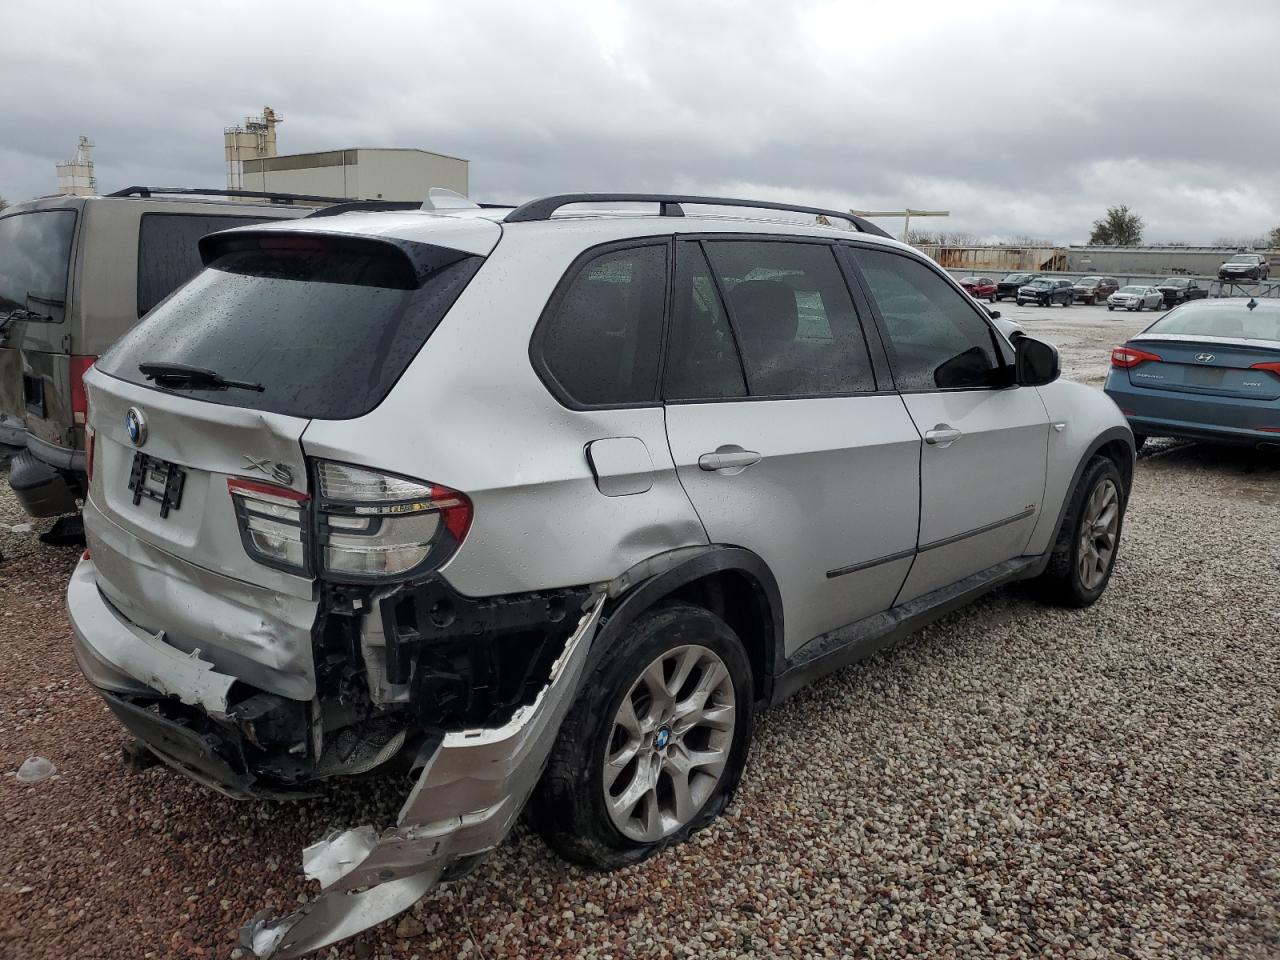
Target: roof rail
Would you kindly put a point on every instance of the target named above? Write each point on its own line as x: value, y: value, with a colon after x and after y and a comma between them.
x: 348, y: 207
x: 283, y: 198
x: 669, y: 205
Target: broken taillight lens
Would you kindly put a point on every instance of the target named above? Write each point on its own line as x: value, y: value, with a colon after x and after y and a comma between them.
x: 379, y: 526
x: 274, y: 524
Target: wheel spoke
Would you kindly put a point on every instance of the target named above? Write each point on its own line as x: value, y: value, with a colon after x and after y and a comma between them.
x: 618, y: 762
x: 682, y: 796
x: 655, y: 681
x: 628, y: 720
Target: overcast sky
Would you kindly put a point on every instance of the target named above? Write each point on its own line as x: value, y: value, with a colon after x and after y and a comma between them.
x: 1020, y: 118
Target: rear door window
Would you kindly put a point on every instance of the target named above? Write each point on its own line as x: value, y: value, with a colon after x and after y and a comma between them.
x: 35, y: 259
x: 326, y: 327
x: 168, y: 250
x: 793, y: 318
x: 598, y: 342
x: 702, y: 354
x: 936, y: 339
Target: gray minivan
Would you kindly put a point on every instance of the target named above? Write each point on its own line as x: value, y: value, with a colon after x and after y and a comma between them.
x: 75, y: 274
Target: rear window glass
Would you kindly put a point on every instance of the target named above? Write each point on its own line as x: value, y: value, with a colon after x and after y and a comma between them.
x: 35, y: 254
x: 1234, y: 320
x: 168, y: 251
x: 600, y: 338
x: 326, y: 332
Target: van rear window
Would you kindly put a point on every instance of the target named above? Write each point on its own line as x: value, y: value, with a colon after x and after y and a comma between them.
x: 35, y: 254
x: 325, y: 330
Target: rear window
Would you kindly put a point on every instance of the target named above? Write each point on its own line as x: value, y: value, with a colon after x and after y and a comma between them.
x: 169, y: 253
x: 35, y: 255
x: 1221, y: 320
x: 326, y: 329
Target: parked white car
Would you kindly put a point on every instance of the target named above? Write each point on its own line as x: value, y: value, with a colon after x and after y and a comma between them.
x: 1136, y: 298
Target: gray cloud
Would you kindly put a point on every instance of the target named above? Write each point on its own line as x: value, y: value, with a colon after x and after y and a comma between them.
x: 1017, y: 118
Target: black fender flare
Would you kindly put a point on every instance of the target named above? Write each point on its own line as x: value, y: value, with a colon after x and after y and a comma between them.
x: 688, y: 565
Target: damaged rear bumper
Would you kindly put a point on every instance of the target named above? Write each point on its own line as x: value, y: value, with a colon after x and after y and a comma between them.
x: 470, y: 790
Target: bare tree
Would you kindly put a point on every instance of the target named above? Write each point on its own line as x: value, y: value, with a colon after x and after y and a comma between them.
x: 3, y: 204
x: 1261, y: 240
x: 941, y: 238
x: 1273, y: 240
x: 1120, y: 228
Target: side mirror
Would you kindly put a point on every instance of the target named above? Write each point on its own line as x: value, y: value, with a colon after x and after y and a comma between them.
x: 1036, y: 362
x: 993, y: 314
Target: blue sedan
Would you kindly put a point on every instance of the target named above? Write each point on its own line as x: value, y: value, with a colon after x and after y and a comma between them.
x: 1207, y: 370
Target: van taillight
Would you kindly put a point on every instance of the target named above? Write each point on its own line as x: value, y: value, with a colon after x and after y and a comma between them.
x: 79, y: 401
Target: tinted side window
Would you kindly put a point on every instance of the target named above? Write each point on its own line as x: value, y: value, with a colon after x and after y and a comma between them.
x: 702, y: 358
x: 167, y: 253
x: 601, y: 340
x: 936, y: 340
x: 793, y: 317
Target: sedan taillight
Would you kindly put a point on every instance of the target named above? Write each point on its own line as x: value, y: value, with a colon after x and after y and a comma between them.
x: 1126, y: 357
x: 1269, y: 367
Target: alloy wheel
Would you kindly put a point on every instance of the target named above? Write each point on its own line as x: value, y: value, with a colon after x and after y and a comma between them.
x: 669, y: 744
x: 1099, y: 528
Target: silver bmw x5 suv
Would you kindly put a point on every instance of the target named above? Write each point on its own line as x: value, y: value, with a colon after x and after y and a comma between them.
x: 543, y: 504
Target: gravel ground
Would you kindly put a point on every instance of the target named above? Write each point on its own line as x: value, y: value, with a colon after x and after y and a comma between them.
x: 1013, y: 781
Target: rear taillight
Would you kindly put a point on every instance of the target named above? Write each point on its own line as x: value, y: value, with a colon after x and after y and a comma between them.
x: 1269, y: 367
x: 275, y: 526
x: 378, y: 526
x: 1126, y: 357
x: 89, y: 437
x: 368, y: 525
x: 79, y: 400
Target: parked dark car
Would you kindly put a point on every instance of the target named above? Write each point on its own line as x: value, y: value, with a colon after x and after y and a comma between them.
x: 1245, y: 266
x: 1178, y: 290
x: 1008, y: 287
x: 980, y: 288
x: 1095, y: 289
x: 1046, y: 291
x: 1203, y: 371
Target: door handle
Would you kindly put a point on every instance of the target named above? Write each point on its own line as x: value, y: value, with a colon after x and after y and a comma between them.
x: 943, y: 435
x: 728, y: 459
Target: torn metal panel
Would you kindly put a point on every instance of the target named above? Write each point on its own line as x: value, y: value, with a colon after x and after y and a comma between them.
x: 466, y: 799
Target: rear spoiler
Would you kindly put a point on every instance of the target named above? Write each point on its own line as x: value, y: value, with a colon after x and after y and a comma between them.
x: 419, y: 260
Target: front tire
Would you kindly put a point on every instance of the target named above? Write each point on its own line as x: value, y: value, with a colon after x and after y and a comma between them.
x: 1019, y: 301
x: 1085, y: 552
x: 654, y: 747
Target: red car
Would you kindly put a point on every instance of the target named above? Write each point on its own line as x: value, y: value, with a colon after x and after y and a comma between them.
x: 980, y: 288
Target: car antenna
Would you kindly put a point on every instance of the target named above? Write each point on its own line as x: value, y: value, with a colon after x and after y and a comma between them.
x: 1252, y: 304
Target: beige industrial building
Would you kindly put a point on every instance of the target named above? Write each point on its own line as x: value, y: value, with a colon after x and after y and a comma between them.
x: 360, y: 174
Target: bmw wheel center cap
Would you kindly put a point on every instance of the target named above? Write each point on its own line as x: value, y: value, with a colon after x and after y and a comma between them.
x: 136, y: 425
x: 663, y: 737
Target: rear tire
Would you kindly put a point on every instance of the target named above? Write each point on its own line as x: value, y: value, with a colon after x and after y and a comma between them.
x: 618, y: 714
x: 1084, y: 554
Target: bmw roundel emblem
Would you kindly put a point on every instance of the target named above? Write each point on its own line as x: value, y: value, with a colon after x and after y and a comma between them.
x: 136, y: 425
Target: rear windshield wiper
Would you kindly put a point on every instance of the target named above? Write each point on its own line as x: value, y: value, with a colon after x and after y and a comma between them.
x: 195, y: 378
